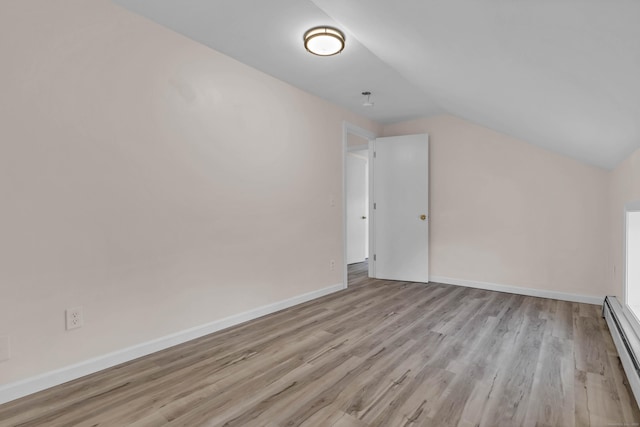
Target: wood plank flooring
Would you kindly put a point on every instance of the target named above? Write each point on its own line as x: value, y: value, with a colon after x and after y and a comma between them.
x: 381, y: 353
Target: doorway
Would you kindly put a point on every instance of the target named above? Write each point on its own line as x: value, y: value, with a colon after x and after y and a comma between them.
x: 397, y: 218
x: 356, y: 204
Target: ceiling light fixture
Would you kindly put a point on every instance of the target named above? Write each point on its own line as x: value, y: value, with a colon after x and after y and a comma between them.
x: 368, y: 102
x: 324, y: 41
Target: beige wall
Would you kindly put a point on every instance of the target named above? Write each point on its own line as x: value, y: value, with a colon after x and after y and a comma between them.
x: 140, y: 179
x: 625, y: 188
x: 155, y: 182
x: 508, y: 213
x: 355, y: 140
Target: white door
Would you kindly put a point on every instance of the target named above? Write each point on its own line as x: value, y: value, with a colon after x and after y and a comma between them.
x: 401, y: 202
x: 357, y: 207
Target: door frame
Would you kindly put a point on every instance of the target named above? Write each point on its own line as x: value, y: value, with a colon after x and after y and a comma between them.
x: 347, y: 129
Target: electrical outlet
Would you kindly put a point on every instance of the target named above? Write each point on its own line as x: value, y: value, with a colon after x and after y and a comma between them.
x: 5, y: 348
x: 332, y: 200
x: 332, y: 264
x: 74, y: 318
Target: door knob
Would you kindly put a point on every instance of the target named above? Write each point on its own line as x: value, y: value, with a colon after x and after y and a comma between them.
x: 423, y: 217
x: 364, y: 217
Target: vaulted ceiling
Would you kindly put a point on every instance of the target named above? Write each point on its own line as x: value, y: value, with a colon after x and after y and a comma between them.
x: 562, y: 74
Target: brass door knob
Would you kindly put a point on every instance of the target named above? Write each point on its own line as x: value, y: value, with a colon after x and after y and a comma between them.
x: 423, y: 217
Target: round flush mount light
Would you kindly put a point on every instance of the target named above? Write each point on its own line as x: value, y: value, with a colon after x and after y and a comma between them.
x: 324, y: 41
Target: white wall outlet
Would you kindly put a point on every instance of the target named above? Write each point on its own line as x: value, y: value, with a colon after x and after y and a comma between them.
x: 332, y: 264
x: 5, y: 348
x: 74, y: 318
x: 332, y: 200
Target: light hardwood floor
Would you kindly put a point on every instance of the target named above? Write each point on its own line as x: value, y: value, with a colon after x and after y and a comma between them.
x: 381, y: 353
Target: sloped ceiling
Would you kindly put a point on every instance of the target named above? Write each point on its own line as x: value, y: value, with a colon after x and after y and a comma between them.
x: 564, y: 75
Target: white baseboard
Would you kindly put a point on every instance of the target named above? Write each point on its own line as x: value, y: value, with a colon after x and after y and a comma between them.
x: 588, y: 299
x: 12, y: 391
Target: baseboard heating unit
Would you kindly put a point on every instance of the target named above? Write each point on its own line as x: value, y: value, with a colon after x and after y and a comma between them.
x: 626, y: 340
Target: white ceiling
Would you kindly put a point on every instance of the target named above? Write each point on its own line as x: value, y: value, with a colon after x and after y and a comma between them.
x: 562, y: 74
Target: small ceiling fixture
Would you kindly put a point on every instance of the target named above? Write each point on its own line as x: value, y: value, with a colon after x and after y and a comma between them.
x: 367, y: 102
x: 324, y: 41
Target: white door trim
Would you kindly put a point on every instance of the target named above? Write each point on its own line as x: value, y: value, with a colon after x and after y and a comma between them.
x: 350, y: 128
